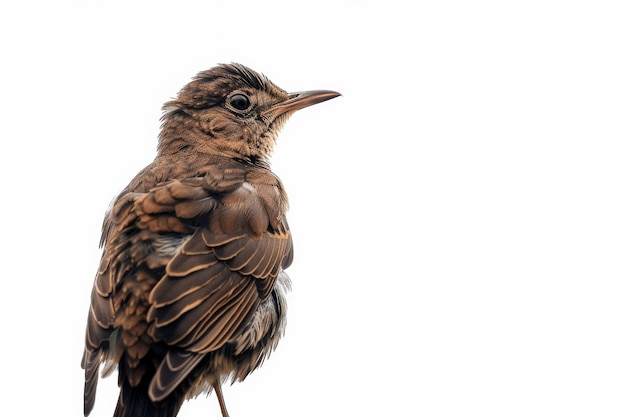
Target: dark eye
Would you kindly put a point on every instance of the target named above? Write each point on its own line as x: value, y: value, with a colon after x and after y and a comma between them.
x: 240, y: 102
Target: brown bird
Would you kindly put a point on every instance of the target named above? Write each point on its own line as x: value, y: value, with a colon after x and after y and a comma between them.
x: 190, y: 290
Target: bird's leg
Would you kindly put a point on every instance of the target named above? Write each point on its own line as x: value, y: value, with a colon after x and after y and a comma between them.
x: 218, y: 391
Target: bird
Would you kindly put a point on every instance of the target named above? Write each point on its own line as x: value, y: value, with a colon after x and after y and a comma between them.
x: 191, y: 287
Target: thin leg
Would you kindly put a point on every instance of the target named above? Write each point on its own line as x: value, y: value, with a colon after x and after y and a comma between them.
x: 218, y: 391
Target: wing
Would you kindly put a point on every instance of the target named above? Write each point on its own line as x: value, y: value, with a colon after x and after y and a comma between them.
x: 128, y: 270
x: 222, y: 272
x: 196, y: 256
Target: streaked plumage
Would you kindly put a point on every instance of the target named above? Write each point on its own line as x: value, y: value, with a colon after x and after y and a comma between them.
x: 191, y: 288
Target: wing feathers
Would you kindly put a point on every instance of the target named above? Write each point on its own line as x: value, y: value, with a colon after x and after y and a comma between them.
x: 213, y: 244
x: 199, y: 328
x: 173, y: 302
x: 173, y: 370
x: 184, y: 264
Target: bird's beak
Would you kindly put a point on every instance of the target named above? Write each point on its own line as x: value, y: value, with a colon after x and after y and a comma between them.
x: 300, y: 100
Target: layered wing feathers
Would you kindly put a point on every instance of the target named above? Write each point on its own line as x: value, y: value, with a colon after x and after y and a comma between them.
x: 213, y: 247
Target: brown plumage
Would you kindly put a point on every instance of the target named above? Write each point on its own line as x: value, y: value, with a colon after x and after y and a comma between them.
x: 190, y: 289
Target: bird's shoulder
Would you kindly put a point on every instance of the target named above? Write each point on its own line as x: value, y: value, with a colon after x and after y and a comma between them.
x: 222, y: 193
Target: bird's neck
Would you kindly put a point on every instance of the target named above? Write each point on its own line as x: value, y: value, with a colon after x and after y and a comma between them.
x: 181, y: 137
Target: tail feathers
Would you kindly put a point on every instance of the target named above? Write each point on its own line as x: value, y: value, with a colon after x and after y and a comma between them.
x: 135, y: 402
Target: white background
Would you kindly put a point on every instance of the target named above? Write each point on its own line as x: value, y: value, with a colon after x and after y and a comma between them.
x: 458, y: 215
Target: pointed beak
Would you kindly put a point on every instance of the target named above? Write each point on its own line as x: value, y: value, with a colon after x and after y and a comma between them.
x: 300, y: 100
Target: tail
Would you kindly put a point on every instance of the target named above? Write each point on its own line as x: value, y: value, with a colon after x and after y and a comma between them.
x: 135, y: 402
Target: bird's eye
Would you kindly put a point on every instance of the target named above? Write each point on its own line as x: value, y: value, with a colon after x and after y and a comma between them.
x: 240, y: 102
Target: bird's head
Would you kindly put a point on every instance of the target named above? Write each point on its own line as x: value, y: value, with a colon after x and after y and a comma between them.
x: 232, y: 111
